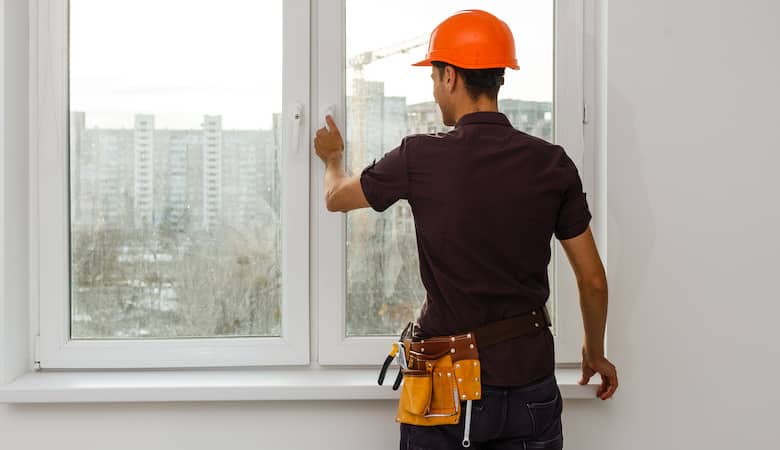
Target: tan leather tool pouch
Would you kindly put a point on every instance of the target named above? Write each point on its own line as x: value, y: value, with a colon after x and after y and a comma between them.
x: 430, y: 396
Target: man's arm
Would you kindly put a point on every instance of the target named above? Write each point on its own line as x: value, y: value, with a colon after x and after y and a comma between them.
x: 342, y: 193
x: 592, y: 282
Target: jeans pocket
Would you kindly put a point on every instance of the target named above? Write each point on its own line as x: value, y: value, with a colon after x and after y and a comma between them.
x: 546, y: 414
x: 486, y: 414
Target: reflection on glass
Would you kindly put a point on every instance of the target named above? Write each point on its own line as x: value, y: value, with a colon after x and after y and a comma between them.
x: 175, y: 168
x: 388, y: 99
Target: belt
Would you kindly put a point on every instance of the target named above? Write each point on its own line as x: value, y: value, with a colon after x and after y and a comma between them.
x: 466, y: 345
x: 429, y: 397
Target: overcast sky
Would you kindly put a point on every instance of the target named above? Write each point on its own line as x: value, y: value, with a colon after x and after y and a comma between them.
x: 181, y: 59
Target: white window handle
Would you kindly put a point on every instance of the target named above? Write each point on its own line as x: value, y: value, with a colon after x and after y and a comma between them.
x: 297, y: 125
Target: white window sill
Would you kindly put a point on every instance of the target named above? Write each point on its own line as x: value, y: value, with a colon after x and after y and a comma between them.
x: 225, y: 385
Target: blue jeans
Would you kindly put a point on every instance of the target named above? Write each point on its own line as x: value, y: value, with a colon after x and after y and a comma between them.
x: 506, y: 418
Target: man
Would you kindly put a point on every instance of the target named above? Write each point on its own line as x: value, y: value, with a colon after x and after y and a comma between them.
x: 486, y: 200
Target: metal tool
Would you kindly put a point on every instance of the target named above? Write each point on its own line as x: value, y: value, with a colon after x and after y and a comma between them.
x: 390, y: 357
x: 467, y: 428
x: 398, y: 351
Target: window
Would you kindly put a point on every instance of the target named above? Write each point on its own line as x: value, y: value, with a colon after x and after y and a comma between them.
x: 176, y: 232
x: 141, y: 280
x: 382, y: 98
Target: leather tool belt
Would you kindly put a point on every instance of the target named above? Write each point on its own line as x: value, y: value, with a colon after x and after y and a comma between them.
x: 439, y: 373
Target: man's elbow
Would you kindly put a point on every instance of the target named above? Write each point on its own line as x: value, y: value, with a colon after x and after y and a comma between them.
x: 594, y: 284
x: 345, y: 196
x: 333, y: 203
x: 330, y: 205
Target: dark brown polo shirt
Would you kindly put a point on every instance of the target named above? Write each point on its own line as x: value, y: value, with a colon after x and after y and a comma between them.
x: 486, y: 200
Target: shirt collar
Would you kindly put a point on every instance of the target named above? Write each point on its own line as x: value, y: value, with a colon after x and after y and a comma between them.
x: 486, y: 117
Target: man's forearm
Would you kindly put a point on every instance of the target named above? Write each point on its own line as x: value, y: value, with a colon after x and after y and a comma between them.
x: 593, y: 303
x: 334, y: 173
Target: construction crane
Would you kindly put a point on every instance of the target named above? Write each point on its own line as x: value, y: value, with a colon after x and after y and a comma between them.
x: 357, y: 62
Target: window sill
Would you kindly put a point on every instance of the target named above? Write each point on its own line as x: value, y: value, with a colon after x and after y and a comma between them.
x: 224, y: 385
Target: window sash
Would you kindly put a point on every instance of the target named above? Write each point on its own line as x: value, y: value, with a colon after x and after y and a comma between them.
x: 334, y: 347
x: 50, y: 210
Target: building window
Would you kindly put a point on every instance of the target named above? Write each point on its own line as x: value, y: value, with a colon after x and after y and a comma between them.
x: 386, y: 99
x: 206, y: 282
x: 175, y: 244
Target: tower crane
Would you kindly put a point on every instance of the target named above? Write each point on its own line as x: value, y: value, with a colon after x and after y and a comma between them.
x: 358, y: 61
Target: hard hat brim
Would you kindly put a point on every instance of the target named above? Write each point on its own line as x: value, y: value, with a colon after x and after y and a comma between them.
x: 424, y: 62
x: 427, y: 62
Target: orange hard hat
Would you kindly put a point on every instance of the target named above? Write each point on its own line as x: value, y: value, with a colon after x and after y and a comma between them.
x: 472, y: 39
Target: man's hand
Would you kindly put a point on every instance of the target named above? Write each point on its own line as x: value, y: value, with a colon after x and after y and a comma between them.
x: 609, y: 380
x: 342, y: 193
x: 328, y: 142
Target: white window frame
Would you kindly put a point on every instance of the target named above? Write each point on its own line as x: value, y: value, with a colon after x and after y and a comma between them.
x: 49, y: 267
x: 335, y: 348
x: 20, y: 271
x: 49, y: 205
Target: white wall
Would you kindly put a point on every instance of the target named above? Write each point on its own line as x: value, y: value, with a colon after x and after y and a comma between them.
x: 13, y: 186
x: 693, y: 139
x: 694, y: 150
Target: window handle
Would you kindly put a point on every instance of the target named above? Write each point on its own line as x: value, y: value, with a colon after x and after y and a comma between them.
x: 298, y: 122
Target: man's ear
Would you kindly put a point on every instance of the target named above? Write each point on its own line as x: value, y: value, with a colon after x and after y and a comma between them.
x: 450, y: 77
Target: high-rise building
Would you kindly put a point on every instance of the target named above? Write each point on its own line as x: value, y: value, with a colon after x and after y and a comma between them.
x: 212, y: 170
x: 143, y: 170
x: 424, y: 118
x: 175, y: 213
x: 364, y: 122
x: 180, y: 179
x: 109, y: 176
x: 393, y: 124
x: 241, y: 150
x: 530, y: 117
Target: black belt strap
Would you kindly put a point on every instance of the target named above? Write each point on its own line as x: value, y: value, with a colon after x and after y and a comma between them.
x: 505, y: 329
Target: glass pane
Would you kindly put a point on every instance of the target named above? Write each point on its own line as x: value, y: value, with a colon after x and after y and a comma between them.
x: 175, y: 168
x: 388, y: 99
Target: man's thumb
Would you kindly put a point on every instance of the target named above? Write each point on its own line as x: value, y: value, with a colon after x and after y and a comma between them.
x: 332, y: 124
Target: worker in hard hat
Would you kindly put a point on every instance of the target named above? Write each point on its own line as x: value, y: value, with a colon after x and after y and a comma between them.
x: 486, y: 200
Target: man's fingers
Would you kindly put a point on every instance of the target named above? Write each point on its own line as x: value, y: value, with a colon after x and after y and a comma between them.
x: 332, y: 125
x: 603, y: 386
x: 609, y: 391
x: 607, y: 388
x: 613, y: 385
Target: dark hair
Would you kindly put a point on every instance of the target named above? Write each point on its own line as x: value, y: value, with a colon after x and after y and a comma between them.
x: 478, y: 81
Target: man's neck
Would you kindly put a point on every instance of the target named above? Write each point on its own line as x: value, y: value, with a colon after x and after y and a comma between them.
x: 479, y: 105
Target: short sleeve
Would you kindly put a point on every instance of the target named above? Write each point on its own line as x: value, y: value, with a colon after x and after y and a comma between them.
x: 574, y: 214
x: 387, y: 180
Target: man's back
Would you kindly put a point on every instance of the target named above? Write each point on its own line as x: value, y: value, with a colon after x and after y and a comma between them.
x: 486, y: 200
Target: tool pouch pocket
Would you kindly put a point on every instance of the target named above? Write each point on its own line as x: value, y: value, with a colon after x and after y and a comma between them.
x: 430, y: 396
x: 467, y: 373
x: 416, y: 391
